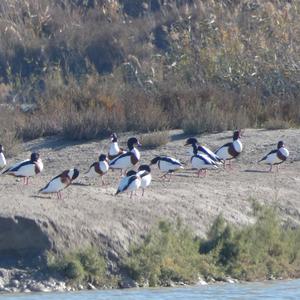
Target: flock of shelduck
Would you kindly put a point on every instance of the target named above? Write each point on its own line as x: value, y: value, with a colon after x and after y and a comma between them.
x: 202, y: 159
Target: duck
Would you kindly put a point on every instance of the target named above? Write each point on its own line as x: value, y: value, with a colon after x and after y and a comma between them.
x: 60, y: 182
x: 2, y: 158
x: 167, y: 164
x: 230, y: 150
x: 129, y: 158
x: 144, y: 171
x: 99, y: 168
x: 202, y: 162
x: 27, y: 168
x: 276, y: 157
x: 114, y: 149
x: 129, y: 183
x: 204, y: 150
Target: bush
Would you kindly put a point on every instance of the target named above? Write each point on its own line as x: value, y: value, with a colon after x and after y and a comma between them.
x: 168, y: 253
x: 81, y: 266
x: 155, y: 139
x: 258, y: 251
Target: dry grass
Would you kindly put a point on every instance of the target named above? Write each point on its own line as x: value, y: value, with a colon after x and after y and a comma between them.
x: 94, y: 66
x: 8, y: 132
x: 274, y: 124
x: 155, y: 139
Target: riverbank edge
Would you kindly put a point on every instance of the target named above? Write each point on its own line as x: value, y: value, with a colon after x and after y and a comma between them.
x: 18, y: 281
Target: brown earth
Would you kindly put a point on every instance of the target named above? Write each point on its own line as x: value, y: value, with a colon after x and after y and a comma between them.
x: 89, y: 213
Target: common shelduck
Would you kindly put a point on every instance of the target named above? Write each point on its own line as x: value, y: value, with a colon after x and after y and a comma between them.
x: 144, y: 172
x: 99, y: 168
x: 26, y: 168
x: 129, y: 183
x: 204, y: 150
x: 114, y: 149
x: 2, y: 158
x: 230, y: 150
x: 128, y: 159
x: 202, y: 162
x: 60, y: 182
x: 167, y: 164
x: 277, y: 156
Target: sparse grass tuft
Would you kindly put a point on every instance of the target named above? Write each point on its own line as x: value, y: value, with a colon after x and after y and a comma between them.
x: 155, y: 139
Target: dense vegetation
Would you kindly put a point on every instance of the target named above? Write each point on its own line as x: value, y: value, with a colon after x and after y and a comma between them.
x: 86, y: 265
x: 171, y: 252
x: 262, y: 250
x: 85, y: 67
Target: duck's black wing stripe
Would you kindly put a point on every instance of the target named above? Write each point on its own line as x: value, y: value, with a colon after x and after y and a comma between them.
x: 16, y: 168
x: 203, y: 159
x: 50, y: 182
x: 226, y: 145
x: 119, y: 157
x: 171, y: 161
x: 130, y: 180
x: 271, y: 152
x: 145, y: 173
x: 92, y: 165
x: 214, y: 158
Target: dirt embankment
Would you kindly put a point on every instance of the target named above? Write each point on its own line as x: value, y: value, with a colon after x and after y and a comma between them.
x: 89, y: 213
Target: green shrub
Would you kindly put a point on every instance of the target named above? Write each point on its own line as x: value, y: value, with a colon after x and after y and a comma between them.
x: 81, y: 266
x: 257, y: 251
x: 261, y: 250
x: 74, y: 270
x: 168, y: 253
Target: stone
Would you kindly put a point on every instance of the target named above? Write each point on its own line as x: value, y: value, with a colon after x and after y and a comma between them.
x: 38, y: 287
x: 15, y: 283
x: 201, y: 281
x: 127, y: 283
x: 90, y: 286
x: 229, y: 280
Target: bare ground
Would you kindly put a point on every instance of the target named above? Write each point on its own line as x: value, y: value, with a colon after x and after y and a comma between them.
x: 89, y: 213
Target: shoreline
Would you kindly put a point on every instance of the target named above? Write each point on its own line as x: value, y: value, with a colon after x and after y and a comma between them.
x: 51, y: 285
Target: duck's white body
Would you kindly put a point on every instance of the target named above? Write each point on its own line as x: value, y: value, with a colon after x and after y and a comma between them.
x: 60, y: 182
x: 96, y: 169
x: 129, y: 184
x: 203, y: 162
x: 225, y: 152
x: 26, y: 168
x: 54, y: 186
x: 114, y: 149
x: 276, y: 157
x: 145, y: 178
x: 169, y: 164
x: 126, y: 160
x: 2, y: 161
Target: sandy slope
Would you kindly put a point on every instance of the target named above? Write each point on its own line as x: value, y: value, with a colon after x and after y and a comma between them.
x: 90, y: 213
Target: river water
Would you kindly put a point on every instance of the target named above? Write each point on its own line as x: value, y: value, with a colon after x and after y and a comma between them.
x: 289, y: 289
